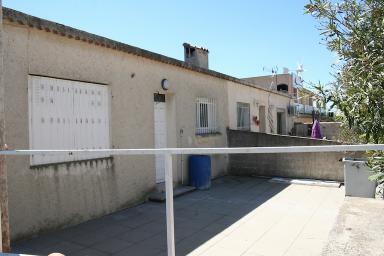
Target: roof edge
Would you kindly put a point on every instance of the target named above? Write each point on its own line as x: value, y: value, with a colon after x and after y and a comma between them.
x: 66, y: 31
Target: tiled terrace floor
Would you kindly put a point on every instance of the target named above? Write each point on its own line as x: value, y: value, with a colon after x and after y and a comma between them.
x: 237, y: 216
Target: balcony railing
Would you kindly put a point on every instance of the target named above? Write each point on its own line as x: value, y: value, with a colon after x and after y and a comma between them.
x: 302, y: 109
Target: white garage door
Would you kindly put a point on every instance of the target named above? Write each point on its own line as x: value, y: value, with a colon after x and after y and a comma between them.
x: 67, y: 114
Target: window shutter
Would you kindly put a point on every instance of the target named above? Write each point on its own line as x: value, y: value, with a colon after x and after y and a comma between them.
x: 67, y: 114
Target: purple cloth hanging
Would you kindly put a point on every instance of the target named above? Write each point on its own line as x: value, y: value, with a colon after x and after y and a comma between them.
x: 316, y: 133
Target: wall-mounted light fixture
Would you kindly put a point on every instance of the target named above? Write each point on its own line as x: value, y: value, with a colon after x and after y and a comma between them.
x: 165, y: 84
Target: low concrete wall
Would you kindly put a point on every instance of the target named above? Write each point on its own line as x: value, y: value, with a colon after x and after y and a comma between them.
x: 302, y: 130
x: 325, y: 166
x: 330, y: 130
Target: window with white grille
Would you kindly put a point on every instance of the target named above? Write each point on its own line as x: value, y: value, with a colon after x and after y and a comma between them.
x: 243, y: 116
x: 205, y: 116
x: 67, y: 114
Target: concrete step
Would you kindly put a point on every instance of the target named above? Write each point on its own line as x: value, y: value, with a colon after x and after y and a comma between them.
x: 308, y: 182
x: 159, y: 196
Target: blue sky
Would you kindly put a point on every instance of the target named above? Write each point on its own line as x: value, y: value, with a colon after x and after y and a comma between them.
x: 242, y: 36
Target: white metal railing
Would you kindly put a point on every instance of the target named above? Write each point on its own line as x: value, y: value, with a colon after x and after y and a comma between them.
x: 1, y: 235
x: 168, y: 152
x: 307, y: 109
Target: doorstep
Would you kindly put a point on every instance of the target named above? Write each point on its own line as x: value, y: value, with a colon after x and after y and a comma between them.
x: 308, y: 182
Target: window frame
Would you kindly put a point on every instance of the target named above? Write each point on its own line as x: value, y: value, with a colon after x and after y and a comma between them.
x: 246, y: 126
x: 206, y: 116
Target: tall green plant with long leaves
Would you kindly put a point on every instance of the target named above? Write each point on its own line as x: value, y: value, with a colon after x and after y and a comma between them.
x: 354, y: 29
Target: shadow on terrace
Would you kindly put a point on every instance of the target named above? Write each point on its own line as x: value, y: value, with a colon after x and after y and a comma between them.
x: 141, y: 230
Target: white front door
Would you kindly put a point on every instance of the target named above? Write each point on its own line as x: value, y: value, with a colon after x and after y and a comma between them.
x: 160, y: 138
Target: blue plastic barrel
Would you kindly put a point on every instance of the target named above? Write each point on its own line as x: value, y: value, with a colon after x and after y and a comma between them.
x: 200, y: 171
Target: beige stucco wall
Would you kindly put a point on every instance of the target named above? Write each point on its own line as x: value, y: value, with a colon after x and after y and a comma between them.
x: 305, y: 97
x: 59, y: 195
x: 256, y: 98
x: 303, y: 119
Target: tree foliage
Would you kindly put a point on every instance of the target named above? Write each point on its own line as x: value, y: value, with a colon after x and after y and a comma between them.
x: 355, y: 31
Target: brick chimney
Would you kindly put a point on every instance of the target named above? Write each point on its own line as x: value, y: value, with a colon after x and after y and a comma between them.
x: 196, y: 56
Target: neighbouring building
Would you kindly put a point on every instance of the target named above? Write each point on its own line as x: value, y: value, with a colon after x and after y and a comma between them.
x: 260, y: 110
x: 287, y: 82
x: 308, y: 106
x: 69, y: 89
x: 304, y: 106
